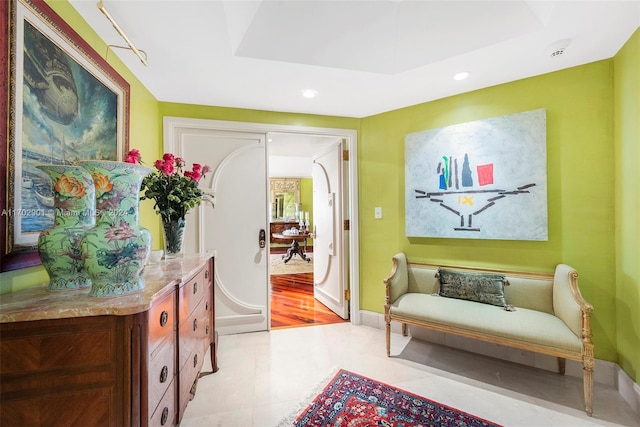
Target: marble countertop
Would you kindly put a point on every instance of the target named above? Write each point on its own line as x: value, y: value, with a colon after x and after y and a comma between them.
x: 39, y: 303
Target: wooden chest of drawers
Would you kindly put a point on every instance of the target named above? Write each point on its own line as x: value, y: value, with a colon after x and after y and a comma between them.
x: 69, y: 359
x: 195, y: 334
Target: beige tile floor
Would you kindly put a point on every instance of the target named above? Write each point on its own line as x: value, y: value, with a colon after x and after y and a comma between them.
x: 266, y: 376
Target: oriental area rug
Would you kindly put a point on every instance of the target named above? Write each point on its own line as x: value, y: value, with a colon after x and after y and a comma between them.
x: 296, y: 265
x: 352, y: 400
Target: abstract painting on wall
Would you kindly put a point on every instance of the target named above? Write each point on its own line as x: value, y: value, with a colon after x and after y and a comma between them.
x: 485, y: 179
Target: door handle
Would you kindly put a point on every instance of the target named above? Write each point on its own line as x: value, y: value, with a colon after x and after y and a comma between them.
x: 262, y: 238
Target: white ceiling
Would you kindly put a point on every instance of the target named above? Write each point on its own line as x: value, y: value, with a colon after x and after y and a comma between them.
x: 363, y: 57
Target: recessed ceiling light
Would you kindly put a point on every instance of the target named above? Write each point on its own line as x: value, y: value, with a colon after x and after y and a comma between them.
x: 309, y: 93
x: 461, y: 76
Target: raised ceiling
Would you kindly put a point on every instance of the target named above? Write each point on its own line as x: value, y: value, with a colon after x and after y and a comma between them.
x: 362, y: 57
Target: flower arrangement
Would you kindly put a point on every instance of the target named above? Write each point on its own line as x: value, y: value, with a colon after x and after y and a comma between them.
x: 174, y: 190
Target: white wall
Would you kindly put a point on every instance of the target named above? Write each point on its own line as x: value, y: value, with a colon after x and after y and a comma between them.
x: 290, y: 167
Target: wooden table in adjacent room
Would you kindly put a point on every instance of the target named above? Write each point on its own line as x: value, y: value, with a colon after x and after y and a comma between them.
x: 295, y: 246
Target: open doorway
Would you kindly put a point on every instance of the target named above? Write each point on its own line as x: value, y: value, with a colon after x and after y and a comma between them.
x: 292, y: 227
x: 236, y: 231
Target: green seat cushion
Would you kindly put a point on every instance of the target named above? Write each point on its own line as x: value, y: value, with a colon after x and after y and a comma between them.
x: 523, y: 325
x: 486, y: 288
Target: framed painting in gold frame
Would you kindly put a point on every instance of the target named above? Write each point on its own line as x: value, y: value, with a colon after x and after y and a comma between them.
x: 64, y: 103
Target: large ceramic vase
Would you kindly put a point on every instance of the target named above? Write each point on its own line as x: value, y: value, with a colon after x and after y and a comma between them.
x: 116, y: 249
x: 74, y: 213
x: 173, y: 232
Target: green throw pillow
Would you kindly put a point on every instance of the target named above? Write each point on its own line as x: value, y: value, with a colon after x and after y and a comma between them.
x: 486, y: 288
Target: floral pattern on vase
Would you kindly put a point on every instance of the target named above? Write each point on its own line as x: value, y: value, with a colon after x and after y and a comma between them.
x: 116, y: 249
x: 74, y: 212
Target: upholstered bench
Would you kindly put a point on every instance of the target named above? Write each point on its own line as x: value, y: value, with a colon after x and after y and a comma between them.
x: 543, y: 313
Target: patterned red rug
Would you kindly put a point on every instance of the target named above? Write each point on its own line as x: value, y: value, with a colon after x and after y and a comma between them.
x: 356, y: 401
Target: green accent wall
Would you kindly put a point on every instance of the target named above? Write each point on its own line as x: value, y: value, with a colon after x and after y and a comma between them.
x: 256, y: 116
x: 626, y: 109
x: 580, y: 175
x: 593, y: 116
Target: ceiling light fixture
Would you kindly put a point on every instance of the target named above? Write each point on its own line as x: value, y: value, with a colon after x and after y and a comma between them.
x: 139, y: 53
x: 461, y: 76
x: 309, y: 93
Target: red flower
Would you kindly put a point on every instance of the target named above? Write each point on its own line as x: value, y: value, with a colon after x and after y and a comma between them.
x: 164, y: 166
x: 133, y: 156
x: 174, y: 190
x: 168, y: 168
x: 196, y: 176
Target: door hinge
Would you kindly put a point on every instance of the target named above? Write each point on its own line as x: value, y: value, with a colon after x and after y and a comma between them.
x: 345, y: 155
x: 346, y: 225
x: 347, y: 295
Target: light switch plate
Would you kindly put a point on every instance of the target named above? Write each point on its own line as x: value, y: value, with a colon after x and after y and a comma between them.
x: 377, y: 213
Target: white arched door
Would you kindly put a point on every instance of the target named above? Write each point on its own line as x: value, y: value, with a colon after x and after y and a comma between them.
x: 231, y: 229
x: 329, y: 269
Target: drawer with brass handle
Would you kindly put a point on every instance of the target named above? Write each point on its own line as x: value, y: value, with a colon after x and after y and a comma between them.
x: 191, y: 293
x: 161, y: 320
x: 189, y: 374
x: 193, y: 332
x: 161, y: 370
x: 165, y: 413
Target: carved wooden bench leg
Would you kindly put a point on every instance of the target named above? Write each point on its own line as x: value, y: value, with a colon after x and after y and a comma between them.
x: 387, y: 320
x: 588, y: 363
x: 562, y: 364
x: 404, y: 330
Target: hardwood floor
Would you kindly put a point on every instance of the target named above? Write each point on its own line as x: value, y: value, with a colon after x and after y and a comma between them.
x: 293, y: 304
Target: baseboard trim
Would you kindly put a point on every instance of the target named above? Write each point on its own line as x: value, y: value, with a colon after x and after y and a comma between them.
x: 629, y: 390
x: 605, y: 372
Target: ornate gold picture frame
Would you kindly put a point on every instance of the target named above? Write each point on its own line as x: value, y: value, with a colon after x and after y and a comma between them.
x: 64, y: 103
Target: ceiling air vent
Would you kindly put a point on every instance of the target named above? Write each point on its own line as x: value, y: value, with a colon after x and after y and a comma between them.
x: 557, y: 49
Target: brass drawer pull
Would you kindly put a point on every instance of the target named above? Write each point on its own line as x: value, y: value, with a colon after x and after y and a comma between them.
x: 165, y: 416
x: 206, y: 274
x: 195, y: 324
x: 206, y: 306
x: 164, y: 318
x: 195, y: 287
x: 164, y: 373
x: 206, y: 330
x: 195, y: 360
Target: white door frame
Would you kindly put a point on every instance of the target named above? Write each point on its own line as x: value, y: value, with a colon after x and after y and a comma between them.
x: 172, y: 124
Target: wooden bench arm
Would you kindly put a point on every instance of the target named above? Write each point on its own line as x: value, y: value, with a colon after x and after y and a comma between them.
x: 568, y: 303
x: 397, y: 283
x: 570, y: 306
